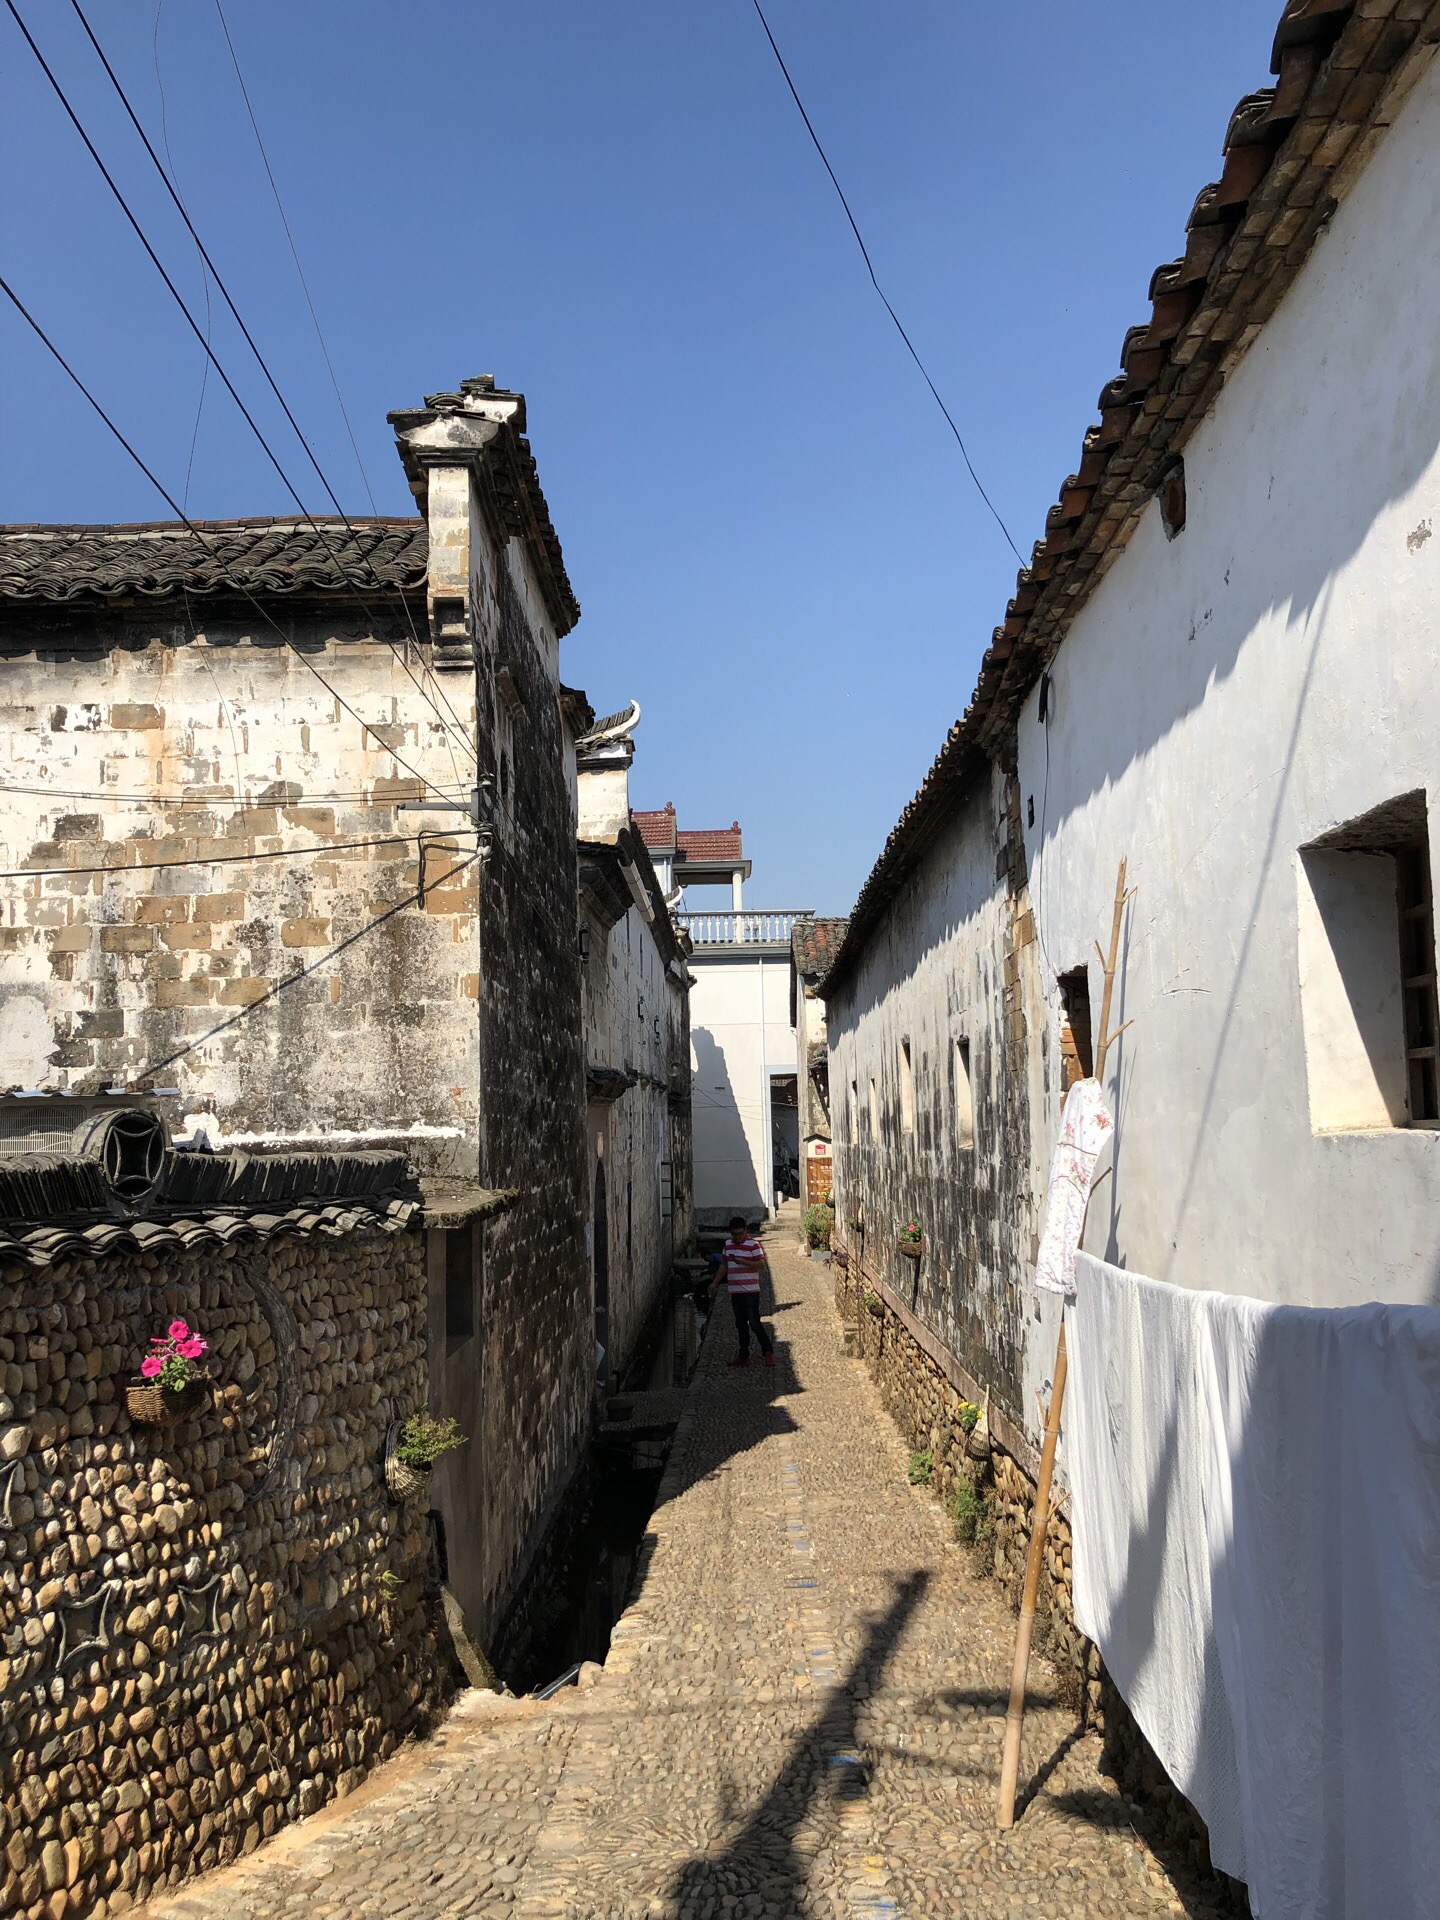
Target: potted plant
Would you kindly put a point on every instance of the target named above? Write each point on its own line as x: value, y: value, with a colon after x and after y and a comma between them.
x: 910, y: 1241
x: 412, y: 1450
x: 818, y: 1224
x: 171, y: 1387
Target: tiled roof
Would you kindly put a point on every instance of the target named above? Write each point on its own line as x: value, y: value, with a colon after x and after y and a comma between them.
x: 512, y: 481
x: 265, y: 557
x: 814, y: 944
x: 43, y: 1246
x: 53, y: 1206
x: 1290, y: 151
x: 657, y: 827
x: 710, y: 843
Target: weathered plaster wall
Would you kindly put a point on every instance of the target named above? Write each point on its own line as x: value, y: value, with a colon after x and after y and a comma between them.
x: 740, y: 1033
x: 637, y: 1022
x: 213, y: 750
x: 953, y: 965
x: 1224, y: 698
x: 195, y: 1643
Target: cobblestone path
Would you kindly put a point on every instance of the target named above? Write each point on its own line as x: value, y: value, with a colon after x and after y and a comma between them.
x: 801, y: 1713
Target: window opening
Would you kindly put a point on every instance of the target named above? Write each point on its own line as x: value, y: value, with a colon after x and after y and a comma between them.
x: 964, y: 1097
x: 854, y: 1112
x: 907, y: 1089
x: 1366, y: 952
x: 1077, y: 1055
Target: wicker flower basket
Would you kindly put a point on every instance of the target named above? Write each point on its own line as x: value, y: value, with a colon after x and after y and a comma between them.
x: 909, y: 1249
x: 404, y: 1481
x: 151, y: 1405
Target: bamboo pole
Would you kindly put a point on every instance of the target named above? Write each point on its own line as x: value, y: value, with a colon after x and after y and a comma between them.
x: 1040, y: 1524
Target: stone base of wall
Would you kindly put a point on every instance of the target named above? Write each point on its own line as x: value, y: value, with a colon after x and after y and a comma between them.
x: 925, y: 1405
x: 208, y: 1629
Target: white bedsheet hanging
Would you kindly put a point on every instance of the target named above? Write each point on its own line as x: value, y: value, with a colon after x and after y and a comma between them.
x: 1256, y: 1502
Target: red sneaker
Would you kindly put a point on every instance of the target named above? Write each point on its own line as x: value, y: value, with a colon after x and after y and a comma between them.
x: 738, y: 1363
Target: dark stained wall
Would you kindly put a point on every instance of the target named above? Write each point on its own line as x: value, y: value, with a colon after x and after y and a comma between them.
x: 954, y: 961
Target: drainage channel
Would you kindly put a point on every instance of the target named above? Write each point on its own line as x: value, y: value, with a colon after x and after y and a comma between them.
x: 603, y: 1534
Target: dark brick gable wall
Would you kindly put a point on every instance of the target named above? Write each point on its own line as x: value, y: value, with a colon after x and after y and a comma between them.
x: 538, y: 1312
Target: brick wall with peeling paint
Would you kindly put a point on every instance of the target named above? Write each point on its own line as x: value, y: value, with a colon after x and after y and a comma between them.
x: 181, y: 762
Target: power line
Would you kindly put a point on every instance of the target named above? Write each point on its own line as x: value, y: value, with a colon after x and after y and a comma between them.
x: 189, y: 524
x: 295, y: 254
x: 218, y: 860
x: 171, y: 189
x: 179, y: 300
x: 870, y: 269
x: 198, y: 802
x: 303, y: 973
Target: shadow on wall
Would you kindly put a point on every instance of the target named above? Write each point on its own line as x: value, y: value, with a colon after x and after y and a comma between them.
x: 1269, y: 541
x: 725, y: 1177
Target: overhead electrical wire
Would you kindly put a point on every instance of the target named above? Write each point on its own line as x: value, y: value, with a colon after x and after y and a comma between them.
x: 194, y: 326
x: 238, y: 585
x: 224, y: 291
x: 206, y: 802
x: 874, y: 281
x: 216, y: 860
x: 295, y: 256
x: 303, y: 973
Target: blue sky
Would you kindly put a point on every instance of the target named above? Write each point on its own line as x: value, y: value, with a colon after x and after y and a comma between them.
x: 616, y: 209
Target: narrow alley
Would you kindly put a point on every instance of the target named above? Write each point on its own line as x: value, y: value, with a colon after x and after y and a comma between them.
x: 800, y: 1713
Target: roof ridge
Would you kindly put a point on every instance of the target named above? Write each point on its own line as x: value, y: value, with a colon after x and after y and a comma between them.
x: 1289, y: 151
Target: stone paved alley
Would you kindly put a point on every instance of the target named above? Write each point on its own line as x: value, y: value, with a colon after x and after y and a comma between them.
x: 801, y: 1712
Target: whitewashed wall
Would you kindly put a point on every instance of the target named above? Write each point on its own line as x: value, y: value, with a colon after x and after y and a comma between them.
x: 1223, y: 699
x: 740, y: 1034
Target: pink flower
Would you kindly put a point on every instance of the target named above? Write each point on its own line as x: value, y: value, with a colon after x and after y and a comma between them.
x: 192, y: 1348
x: 179, y: 1330
x: 150, y: 1367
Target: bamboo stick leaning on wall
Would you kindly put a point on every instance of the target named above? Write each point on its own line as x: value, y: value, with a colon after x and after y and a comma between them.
x: 1015, y: 1714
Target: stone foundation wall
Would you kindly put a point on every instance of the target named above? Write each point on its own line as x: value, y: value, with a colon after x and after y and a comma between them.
x: 196, y: 1641
x: 924, y: 1404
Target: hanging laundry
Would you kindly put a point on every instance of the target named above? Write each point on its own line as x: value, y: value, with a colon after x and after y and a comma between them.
x: 1086, y: 1124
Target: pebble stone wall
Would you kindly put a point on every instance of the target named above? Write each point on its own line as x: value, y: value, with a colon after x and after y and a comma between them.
x: 925, y: 1407
x: 196, y: 1645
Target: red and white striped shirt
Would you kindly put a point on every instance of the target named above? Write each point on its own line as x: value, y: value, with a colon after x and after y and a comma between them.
x: 743, y: 1261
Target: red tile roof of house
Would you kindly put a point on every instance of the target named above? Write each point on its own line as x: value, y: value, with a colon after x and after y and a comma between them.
x: 711, y: 843
x: 657, y: 827
x: 661, y: 835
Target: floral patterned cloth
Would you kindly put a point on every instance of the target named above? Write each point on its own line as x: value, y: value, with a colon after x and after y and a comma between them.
x: 1086, y: 1124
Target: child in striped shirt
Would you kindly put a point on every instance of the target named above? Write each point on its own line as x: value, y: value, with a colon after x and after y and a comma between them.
x: 742, y: 1262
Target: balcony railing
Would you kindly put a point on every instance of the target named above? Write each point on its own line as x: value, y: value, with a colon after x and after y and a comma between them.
x: 763, y: 927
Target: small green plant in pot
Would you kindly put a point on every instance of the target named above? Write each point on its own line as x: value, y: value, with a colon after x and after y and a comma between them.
x: 413, y: 1451
x: 818, y: 1224
x: 910, y: 1240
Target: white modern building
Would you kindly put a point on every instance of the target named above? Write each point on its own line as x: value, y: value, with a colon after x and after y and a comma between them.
x: 742, y: 1039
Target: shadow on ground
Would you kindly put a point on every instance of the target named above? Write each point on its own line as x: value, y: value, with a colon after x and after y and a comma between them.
x: 822, y: 1764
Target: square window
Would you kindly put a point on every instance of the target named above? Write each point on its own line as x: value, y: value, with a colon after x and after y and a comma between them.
x: 1367, y: 971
